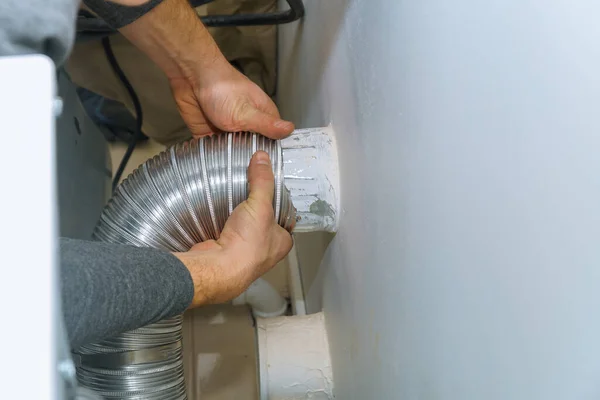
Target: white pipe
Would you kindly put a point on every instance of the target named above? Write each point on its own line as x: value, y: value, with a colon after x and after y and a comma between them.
x: 293, y: 358
x: 265, y: 300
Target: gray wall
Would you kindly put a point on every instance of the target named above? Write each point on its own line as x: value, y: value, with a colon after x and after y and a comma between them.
x: 467, y: 265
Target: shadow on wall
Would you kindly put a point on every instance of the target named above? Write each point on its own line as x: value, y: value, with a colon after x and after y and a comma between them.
x: 220, y: 353
x: 300, y: 52
x: 313, y: 245
x: 294, y: 41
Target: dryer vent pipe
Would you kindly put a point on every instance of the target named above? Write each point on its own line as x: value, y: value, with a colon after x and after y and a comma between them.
x: 184, y: 196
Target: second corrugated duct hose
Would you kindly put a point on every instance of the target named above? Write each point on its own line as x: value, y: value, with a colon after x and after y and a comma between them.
x: 180, y: 197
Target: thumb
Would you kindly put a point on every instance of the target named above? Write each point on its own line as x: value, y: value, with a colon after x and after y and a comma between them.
x: 261, y: 179
x: 255, y: 120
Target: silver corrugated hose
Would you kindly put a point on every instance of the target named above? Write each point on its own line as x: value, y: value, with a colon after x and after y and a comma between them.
x: 180, y: 197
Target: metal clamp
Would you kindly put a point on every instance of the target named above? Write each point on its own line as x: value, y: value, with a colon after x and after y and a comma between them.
x: 133, y: 357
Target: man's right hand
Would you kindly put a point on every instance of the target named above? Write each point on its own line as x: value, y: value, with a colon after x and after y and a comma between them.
x: 251, y: 243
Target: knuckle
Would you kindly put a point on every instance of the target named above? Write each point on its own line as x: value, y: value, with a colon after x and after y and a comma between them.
x: 287, y: 241
x: 260, y: 211
x: 263, y: 180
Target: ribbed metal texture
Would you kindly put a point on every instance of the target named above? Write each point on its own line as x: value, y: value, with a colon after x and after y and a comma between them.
x: 180, y: 197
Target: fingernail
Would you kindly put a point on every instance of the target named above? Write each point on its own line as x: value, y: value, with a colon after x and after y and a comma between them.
x: 262, y: 158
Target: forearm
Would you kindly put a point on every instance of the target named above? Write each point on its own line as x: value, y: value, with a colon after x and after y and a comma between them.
x: 108, y: 288
x: 206, y: 262
x: 173, y: 36
x: 118, y: 13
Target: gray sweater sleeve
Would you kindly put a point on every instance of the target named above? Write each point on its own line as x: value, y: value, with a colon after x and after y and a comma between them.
x: 37, y: 27
x: 48, y: 26
x: 117, y: 15
x: 108, y: 288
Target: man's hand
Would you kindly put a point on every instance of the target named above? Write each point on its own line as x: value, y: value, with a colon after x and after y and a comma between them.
x: 212, y: 95
x: 224, y: 100
x: 251, y: 243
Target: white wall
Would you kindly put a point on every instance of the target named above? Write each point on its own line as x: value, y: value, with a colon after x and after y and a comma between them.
x: 467, y: 265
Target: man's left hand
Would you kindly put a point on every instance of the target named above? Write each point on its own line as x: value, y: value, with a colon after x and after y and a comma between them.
x: 211, y: 94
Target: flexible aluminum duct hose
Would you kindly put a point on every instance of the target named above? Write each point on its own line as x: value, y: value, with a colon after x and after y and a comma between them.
x: 180, y: 197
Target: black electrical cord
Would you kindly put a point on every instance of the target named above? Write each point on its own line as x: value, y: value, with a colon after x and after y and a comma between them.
x: 112, y: 60
x: 91, y: 28
x: 293, y: 13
